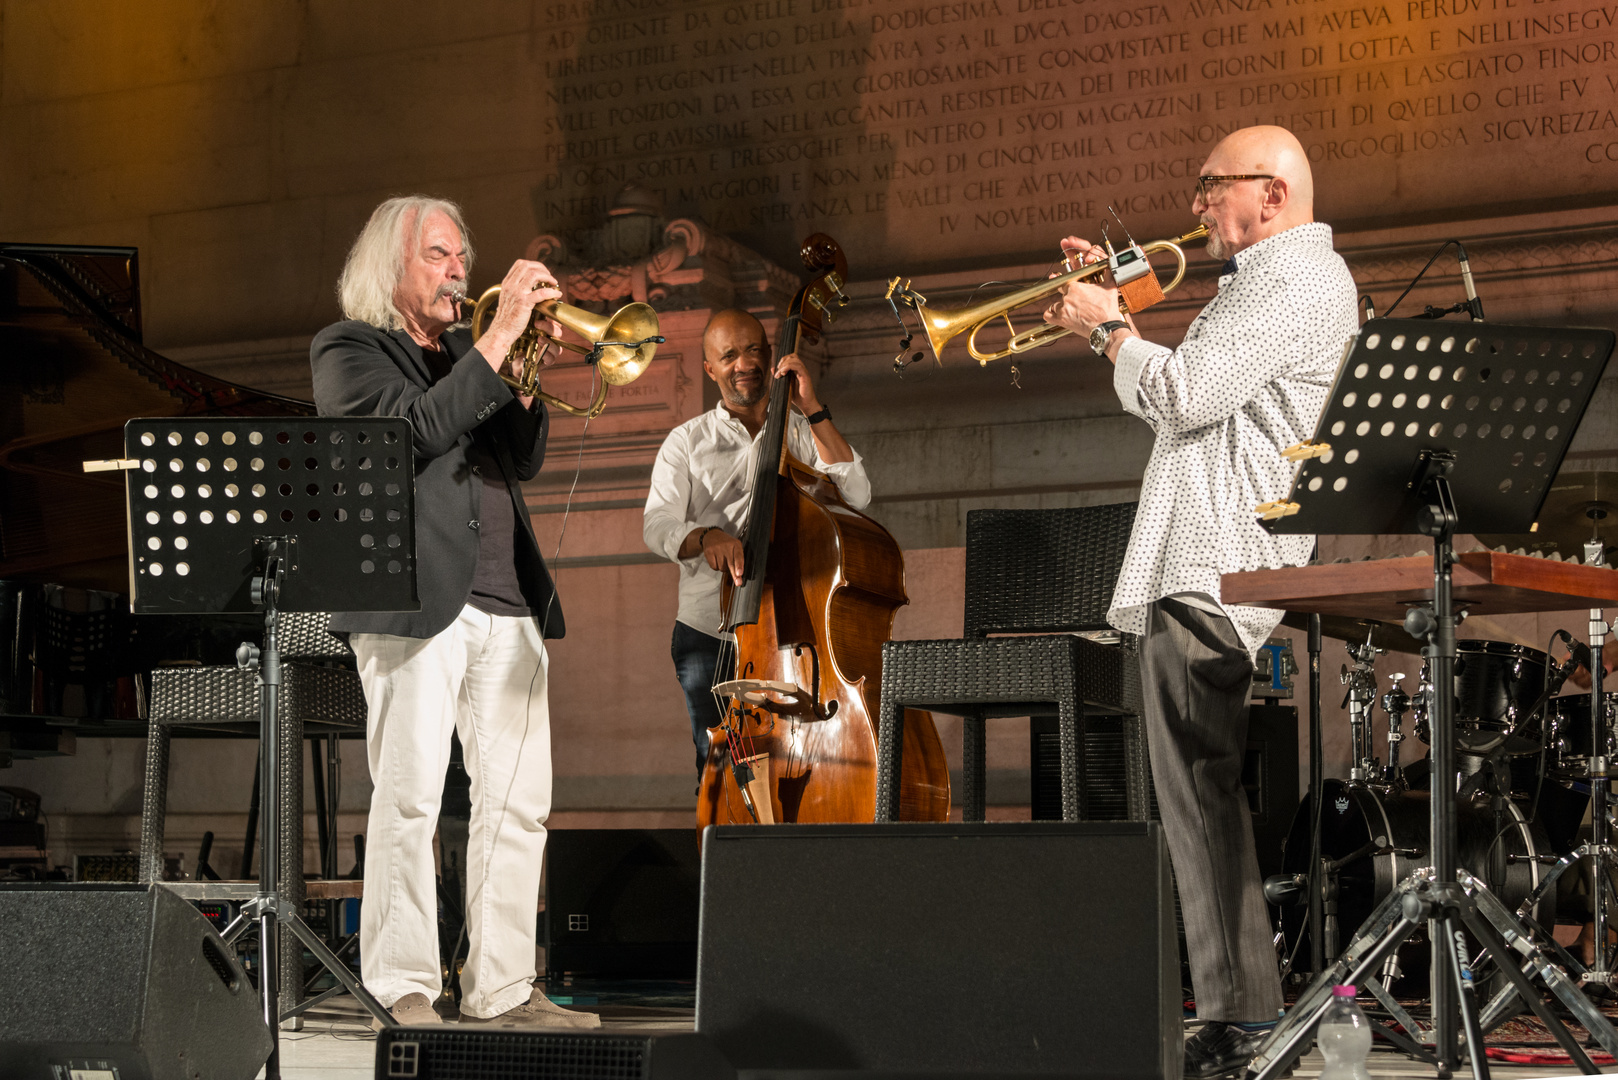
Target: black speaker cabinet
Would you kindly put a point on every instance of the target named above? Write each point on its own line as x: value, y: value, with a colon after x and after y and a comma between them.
x: 984, y: 949
x: 451, y: 1052
x: 124, y: 981
x: 622, y: 902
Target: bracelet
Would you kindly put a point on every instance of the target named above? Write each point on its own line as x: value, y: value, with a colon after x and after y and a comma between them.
x: 703, y: 535
x: 823, y: 414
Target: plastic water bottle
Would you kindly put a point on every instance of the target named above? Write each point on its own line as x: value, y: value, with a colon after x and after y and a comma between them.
x: 1344, y: 1038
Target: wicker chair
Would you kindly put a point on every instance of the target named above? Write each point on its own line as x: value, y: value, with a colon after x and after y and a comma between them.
x: 1042, y: 574
x: 316, y: 696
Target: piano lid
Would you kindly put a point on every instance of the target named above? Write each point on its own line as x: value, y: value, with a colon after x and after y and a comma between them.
x: 73, y: 369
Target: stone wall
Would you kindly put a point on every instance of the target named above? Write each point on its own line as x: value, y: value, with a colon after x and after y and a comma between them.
x: 241, y: 148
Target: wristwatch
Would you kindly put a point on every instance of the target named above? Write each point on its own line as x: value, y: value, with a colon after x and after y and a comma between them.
x: 1103, y: 333
x: 815, y: 418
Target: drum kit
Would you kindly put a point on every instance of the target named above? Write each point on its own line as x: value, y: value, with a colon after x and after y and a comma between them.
x: 1513, y: 738
x: 1388, y: 860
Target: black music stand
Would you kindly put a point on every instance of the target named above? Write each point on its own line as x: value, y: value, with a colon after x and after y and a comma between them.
x: 1424, y: 419
x: 272, y: 515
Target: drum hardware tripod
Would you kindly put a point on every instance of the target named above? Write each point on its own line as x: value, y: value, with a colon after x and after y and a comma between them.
x: 1361, y: 682
x: 1447, y: 900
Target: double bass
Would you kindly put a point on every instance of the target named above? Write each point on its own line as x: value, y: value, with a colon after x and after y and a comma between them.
x: 820, y: 585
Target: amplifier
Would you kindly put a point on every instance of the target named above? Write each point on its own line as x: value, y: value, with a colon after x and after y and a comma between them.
x: 1006, y: 948
x: 122, y: 981
x: 446, y: 1052
x: 622, y: 902
x: 28, y: 834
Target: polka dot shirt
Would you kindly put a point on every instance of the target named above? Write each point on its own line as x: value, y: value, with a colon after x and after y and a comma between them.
x: 1249, y: 379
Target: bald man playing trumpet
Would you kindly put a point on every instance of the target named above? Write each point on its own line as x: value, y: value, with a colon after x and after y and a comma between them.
x: 1249, y: 379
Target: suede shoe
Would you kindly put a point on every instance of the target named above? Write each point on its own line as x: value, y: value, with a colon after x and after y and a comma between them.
x: 538, y: 1011
x: 1220, y: 1050
x: 410, y: 1010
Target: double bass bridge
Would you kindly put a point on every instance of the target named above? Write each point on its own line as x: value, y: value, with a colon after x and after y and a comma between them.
x: 778, y: 697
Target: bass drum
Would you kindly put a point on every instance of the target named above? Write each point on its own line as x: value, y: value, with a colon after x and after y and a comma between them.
x: 1355, y: 813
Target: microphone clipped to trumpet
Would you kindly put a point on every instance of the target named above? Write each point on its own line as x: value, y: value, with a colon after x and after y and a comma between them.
x: 1132, y: 271
x: 621, y: 345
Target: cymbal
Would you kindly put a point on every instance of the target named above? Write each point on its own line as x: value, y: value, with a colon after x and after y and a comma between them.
x: 1579, y: 507
x: 1390, y: 637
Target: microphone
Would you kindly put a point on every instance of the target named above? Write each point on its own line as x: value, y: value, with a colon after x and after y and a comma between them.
x: 1578, y: 651
x: 1473, y: 304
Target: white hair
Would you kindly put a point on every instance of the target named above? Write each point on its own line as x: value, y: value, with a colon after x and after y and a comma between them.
x: 376, y: 261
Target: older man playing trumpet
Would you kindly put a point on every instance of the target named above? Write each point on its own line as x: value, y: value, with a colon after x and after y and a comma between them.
x: 473, y: 659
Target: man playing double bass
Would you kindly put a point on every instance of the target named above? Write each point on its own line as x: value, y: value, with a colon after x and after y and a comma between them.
x: 700, y: 488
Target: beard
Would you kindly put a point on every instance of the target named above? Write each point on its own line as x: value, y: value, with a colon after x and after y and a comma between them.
x: 1216, y: 245
x: 748, y: 397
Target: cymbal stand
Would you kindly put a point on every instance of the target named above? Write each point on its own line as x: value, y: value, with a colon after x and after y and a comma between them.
x: 1600, y: 854
x: 1395, y: 703
x: 1361, y: 682
x: 1445, y: 899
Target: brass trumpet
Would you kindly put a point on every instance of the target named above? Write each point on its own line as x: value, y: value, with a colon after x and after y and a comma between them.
x: 941, y: 326
x: 621, y: 345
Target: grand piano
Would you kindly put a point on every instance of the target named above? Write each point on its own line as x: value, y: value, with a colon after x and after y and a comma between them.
x: 74, y: 369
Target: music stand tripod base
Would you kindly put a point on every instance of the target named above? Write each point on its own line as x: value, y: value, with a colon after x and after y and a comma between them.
x: 271, y: 515
x: 1434, y: 427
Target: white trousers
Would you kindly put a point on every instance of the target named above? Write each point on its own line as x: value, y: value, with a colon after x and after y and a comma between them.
x: 483, y: 676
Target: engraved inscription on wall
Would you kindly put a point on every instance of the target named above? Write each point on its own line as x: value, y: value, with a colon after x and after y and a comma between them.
x: 923, y: 134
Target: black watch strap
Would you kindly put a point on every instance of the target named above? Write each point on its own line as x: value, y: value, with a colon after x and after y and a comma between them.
x: 815, y: 418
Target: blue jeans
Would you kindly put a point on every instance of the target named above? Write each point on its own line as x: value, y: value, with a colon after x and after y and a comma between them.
x: 696, y: 655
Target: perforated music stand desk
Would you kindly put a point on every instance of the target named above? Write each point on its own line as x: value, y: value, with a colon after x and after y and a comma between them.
x: 208, y: 492
x: 272, y: 514
x: 1504, y: 399
x: 1432, y: 428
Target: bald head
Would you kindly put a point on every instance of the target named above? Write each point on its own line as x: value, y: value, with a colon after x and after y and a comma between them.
x: 1241, y: 213
x: 736, y: 356
x: 726, y: 324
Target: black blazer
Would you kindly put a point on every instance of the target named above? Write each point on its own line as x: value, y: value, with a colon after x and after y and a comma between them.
x: 360, y: 370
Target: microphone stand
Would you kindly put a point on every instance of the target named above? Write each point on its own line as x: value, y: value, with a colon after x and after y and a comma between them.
x: 1471, y: 305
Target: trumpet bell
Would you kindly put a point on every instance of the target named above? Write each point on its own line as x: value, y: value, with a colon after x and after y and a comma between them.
x: 622, y: 344
x: 633, y: 324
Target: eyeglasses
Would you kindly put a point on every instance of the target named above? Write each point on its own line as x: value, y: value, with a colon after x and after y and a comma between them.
x: 1205, y: 183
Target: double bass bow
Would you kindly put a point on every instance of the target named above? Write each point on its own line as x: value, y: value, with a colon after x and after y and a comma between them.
x: 820, y: 585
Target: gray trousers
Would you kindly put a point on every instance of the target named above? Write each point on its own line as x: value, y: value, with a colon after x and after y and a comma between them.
x: 1196, y: 677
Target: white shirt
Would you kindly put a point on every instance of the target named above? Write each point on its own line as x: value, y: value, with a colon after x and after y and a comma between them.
x: 1249, y: 380
x: 702, y: 476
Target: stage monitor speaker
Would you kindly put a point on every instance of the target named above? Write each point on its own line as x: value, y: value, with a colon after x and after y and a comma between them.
x: 997, y: 949
x: 445, y: 1052
x: 622, y: 902
x: 121, y: 982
